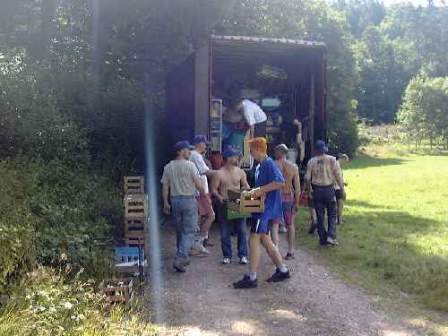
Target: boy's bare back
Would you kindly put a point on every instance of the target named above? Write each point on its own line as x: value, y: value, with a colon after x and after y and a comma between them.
x: 289, y: 171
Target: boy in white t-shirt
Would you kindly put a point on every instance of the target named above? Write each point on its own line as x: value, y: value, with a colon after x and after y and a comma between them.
x: 254, y: 116
x: 206, y: 213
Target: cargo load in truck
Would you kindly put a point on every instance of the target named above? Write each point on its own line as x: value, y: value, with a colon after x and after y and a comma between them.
x: 286, y: 78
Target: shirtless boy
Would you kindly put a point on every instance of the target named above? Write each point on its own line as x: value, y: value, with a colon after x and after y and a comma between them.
x: 290, y: 198
x: 230, y: 177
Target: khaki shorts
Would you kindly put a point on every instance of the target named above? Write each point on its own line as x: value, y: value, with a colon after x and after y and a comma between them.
x: 204, y: 204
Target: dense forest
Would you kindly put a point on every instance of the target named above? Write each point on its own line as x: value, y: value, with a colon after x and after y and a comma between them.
x: 77, y: 77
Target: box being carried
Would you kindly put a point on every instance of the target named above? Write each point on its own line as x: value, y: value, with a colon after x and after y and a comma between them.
x: 244, y: 203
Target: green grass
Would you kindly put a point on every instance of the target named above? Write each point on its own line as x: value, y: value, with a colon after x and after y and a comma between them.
x: 396, y: 230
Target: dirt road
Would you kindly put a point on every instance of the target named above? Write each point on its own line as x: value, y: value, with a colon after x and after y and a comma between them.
x: 313, y: 302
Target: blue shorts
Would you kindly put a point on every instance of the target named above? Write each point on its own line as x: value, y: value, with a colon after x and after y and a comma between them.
x: 262, y: 227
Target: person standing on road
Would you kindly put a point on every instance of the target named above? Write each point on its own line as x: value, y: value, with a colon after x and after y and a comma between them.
x: 323, y: 172
x: 230, y: 177
x: 268, y: 182
x: 290, y: 198
x: 206, y: 213
x: 342, y: 159
x: 181, y: 182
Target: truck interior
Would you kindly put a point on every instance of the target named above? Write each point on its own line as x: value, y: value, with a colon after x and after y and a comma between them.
x: 286, y: 78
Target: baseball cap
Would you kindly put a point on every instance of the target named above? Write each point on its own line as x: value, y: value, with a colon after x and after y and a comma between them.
x: 182, y: 145
x: 321, y: 146
x: 200, y: 138
x: 230, y: 152
x: 282, y: 148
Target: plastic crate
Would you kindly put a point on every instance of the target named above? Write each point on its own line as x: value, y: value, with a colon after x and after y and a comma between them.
x: 128, y: 254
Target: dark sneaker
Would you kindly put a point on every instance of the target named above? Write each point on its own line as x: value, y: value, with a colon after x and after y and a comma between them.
x: 208, y: 243
x: 279, y: 276
x: 179, y: 267
x: 289, y: 256
x: 183, y: 261
x: 245, y: 283
x: 312, y: 229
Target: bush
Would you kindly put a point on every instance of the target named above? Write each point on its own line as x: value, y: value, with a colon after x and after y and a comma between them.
x: 53, y: 208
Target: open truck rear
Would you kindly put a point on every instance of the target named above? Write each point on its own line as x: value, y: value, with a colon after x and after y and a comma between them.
x: 287, y: 78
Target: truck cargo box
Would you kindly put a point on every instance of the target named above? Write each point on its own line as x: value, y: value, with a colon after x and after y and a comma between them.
x: 287, y: 78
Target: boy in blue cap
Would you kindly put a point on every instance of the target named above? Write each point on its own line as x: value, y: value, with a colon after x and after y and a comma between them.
x: 180, y: 184
x: 323, y: 172
x: 268, y: 181
x: 230, y: 177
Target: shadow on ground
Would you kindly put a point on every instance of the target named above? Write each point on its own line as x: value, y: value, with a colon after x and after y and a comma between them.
x: 367, y: 161
x: 381, y: 244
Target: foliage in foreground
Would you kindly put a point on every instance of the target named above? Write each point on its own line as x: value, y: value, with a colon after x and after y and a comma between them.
x: 51, y: 209
x: 45, y: 303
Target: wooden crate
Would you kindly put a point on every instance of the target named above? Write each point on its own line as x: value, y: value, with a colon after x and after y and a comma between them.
x: 134, y: 185
x: 242, y: 202
x: 135, y: 206
x: 135, y: 224
x: 117, y: 290
x: 139, y: 242
x: 135, y: 235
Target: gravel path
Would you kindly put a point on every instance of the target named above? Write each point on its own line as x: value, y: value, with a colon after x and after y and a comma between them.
x: 313, y: 302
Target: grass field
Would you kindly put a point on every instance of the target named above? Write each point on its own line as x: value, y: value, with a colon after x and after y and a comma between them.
x: 396, y: 226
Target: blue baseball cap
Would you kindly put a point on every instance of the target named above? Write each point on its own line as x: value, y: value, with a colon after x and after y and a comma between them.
x: 321, y: 146
x: 182, y: 145
x: 230, y: 152
x: 200, y: 138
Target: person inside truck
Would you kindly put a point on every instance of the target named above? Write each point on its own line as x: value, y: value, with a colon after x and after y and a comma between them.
x: 254, y: 116
x: 269, y: 183
x: 342, y: 159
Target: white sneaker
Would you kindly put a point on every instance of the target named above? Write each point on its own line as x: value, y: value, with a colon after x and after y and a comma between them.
x: 226, y: 261
x: 198, y: 250
x: 332, y: 241
x: 244, y: 261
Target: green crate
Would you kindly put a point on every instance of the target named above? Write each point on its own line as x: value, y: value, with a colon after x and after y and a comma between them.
x: 232, y: 214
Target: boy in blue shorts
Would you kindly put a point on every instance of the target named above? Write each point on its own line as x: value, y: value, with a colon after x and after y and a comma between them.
x: 268, y: 181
